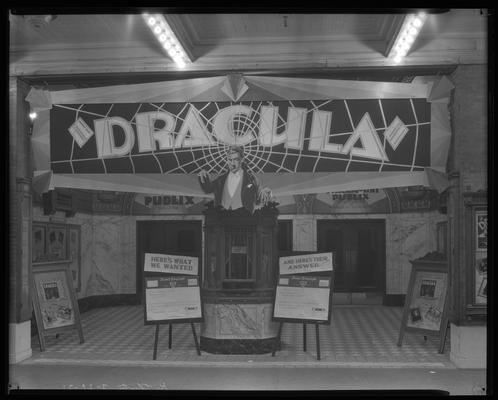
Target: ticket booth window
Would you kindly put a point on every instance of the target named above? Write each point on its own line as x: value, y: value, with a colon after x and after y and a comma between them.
x: 239, y: 257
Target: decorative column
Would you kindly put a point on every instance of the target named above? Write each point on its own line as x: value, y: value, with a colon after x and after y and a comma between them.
x: 20, y: 207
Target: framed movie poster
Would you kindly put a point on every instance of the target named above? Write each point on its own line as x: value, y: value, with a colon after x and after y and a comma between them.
x: 39, y: 251
x: 56, y: 242
x: 426, y: 301
x: 54, y: 301
x: 74, y: 250
x: 480, y: 258
x: 481, y: 229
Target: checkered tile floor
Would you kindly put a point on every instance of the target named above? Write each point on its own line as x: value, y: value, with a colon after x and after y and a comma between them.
x: 358, y: 335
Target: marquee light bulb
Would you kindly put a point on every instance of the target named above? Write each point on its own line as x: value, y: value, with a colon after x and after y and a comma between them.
x: 167, y: 45
x: 412, y: 31
x: 33, y: 115
x: 417, y: 22
x: 151, y: 21
x: 162, y: 38
x: 398, y: 59
x: 157, y: 30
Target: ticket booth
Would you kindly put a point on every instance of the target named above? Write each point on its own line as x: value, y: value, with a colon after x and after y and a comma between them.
x: 239, y: 281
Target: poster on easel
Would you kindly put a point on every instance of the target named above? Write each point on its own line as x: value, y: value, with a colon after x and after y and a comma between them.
x: 54, y: 301
x: 172, y: 299
x: 304, y: 288
x: 171, y: 293
x: 426, y: 302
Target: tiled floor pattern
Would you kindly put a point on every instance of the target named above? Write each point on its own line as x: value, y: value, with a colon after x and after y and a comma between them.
x: 358, y: 335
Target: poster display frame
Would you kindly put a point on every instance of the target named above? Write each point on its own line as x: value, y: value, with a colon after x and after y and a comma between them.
x: 64, y: 289
x: 170, y: 322
x: 304, y: 321
x: 479, y: 250
x: 418, y: 269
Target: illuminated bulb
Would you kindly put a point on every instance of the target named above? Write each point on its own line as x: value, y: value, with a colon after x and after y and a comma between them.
x: 409, y: 39
x: 398, y: 59
x: 412, y: 31
x: 162, y: 38
x: 157, y: 30
x: 417, y: 22
x: 151, y: 21
x: 404, y: 46
x: 180, y: 63
x: 32, y: 115
x: 402, y: 52
x: 167, y: 45
x: 171, y: 53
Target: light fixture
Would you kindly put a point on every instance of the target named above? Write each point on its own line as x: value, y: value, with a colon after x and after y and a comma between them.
x: 409, y: 31
x: 168, y: 40
x: 33, y: 115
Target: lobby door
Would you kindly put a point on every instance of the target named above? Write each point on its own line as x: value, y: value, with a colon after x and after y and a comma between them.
x: 167, y: 237
x: 360, y: 251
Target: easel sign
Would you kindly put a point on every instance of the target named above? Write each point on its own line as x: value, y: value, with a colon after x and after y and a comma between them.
x: 426, y: 305
x: 171, y: 293
x: 172, y: 299
x: 54, y: 301
x: 303, y: 299
x: 304, y: 292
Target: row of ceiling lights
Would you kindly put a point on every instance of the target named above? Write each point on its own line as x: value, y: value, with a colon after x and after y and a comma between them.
x: 164, y: 34
x: 411, y: 28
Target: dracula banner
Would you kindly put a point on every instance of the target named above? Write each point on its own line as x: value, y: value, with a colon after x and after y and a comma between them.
x: 299, y: 135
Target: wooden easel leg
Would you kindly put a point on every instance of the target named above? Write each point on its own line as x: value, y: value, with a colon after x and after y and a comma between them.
x: 195, y: 339
x: 304, y: 336
x: 442, y: 339
x: 41, y: 338
x: 317, y: 342
x: 80, y: 332
x: 170, y: 340
x: 401, y: 334
x: 155, y: 342
x: 278, y: 339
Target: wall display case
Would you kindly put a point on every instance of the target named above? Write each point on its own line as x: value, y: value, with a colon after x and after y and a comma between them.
x: 58, y: 242
x: 476, y: 255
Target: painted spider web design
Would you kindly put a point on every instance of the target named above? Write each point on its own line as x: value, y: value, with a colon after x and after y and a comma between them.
x: 243, y: 129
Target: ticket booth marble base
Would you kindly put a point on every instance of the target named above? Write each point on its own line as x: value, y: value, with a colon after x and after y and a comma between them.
x: 238, y: 326
x: 239, y: 281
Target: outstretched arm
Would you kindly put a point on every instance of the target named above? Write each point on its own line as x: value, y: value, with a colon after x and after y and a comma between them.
x: 264, y: 193
x: 205, y: 181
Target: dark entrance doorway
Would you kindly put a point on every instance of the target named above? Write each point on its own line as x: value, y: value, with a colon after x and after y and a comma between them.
x: 167, y: 237
x: 360, y: 251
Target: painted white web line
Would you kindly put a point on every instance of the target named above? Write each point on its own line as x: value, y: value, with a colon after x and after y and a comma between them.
x: 219, y: 155
x: 416, y: 135
x: 72, y: 144
x: 314, y: 108
x: 319, y: 156
x: 155, y: 144
x: 301, y: 133
x: 327, y: 157
x: 256, y: 113
x: 385, y: 127
x: 103, y: 161
x: 129, y: 154
x: 174, y: 152
x: 352, y: 125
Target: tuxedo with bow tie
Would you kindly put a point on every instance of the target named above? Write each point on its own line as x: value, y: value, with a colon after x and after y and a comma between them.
x: 245, y: 195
